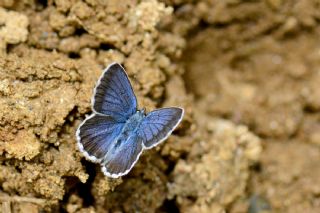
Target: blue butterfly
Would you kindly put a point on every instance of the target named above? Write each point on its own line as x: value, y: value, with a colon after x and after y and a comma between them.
x: 116, y: 133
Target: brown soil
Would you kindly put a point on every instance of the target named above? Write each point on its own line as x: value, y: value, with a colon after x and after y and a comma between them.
x: 246, y: 72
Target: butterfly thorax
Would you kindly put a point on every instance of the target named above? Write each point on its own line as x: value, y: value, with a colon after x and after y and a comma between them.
x: 133, y: 122
x: 131, y: 126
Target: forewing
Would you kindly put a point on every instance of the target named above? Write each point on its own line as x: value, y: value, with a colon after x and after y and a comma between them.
x: 96, y: 135
x: 158, y: 125
x: 121, y: 159
x: 113, y: 94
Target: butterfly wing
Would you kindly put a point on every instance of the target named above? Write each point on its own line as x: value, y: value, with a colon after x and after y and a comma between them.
x: 158, y: 125
x: 96, y: 134
x: 113, y: 94
x: 120, y: 159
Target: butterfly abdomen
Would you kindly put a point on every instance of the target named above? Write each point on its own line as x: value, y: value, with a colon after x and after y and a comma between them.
x: 130, y: 127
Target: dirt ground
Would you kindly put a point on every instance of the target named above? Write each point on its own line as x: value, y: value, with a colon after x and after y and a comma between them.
x: 247, y: 74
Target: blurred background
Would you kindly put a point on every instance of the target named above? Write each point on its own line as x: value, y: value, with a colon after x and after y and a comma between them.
x: 246, y: 72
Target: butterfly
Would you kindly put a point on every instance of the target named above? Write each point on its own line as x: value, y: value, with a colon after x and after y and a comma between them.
x: 116, y: 133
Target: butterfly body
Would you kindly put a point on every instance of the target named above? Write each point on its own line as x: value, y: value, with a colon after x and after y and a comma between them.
x: 130, y: 128
x: 132, y: 124
x: 116, y: 133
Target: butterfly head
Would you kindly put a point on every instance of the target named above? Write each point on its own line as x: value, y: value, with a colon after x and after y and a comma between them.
x: 143, y: 111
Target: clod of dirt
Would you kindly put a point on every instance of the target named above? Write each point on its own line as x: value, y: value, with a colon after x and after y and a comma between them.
x: 216, y: 171
x: 24, y: 145
x: 146, y: 17
x: 7, y: 3
x: 237, y: 77
x: 283, y: 176
x: 38, y: 101
x: 13, y: 28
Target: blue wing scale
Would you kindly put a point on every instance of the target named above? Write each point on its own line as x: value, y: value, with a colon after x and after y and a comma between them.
x: 120, y: 160
x: 158, y: 125
x: 96, y: 134
x: 113, y: 94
